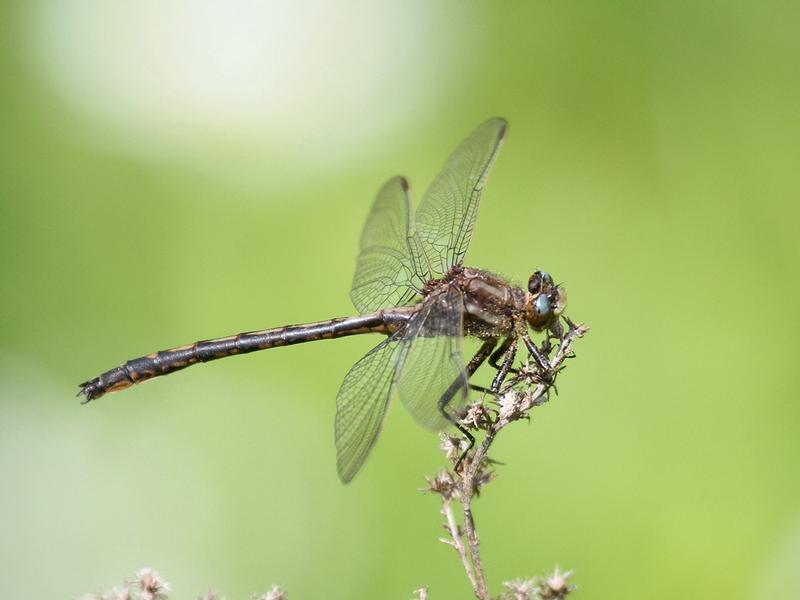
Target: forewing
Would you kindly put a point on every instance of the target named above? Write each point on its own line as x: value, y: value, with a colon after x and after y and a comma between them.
x: 361, y: 406
x: 385, y: 271
x: 446, y: 215
x: 430, y: 363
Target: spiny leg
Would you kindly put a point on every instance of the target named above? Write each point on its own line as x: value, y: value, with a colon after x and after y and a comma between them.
x: 494, y: 359
x: 504, y: 369
x: 546, y: 373
x: 541, y: 359
x: 507, y: 351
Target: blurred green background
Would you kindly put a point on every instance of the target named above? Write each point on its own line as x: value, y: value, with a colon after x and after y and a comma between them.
x: 173, y: 171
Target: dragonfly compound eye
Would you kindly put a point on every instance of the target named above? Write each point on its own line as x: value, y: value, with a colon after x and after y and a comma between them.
x: 535, y: 283
x: 542, y: 306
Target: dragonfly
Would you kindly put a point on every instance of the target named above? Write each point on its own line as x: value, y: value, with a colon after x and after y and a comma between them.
x: 410, y: 285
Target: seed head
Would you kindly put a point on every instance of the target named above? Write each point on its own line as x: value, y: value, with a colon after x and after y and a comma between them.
x: 153, y: 586
x: 556, y: 586
x: 276, y: 593
x: 442, y: 484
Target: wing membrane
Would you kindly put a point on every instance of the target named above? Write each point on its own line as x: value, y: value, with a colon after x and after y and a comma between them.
x: 385, y: 271
x: 423, y: 360
x: 447, y: 212
x: 398, y: 256
x: 430, y: 363
x: 361, y: 406
x: 399, y: 252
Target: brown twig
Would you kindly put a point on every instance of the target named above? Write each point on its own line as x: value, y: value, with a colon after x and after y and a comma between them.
x: 457, y: 541
x: 527, y: 389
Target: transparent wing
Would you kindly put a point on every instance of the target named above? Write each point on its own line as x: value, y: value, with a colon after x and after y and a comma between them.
x: 447, y: 212
x: 386, y: 274
x: 361, y: 406
x: 423, y: 360
x: 430, y: 363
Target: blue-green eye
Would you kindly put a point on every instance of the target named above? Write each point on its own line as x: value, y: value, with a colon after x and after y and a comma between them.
x: 542, y: 305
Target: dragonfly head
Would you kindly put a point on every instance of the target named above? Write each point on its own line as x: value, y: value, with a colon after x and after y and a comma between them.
x: 544, y: 301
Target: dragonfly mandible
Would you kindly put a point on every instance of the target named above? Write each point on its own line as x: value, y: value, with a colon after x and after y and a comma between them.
x: 410, y: 285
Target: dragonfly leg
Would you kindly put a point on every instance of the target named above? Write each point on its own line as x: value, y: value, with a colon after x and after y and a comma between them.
x: 480, y: 357
x: 504, y: 369
x: 494, y: 359
x: 541, y: 359
x: 509, y: 350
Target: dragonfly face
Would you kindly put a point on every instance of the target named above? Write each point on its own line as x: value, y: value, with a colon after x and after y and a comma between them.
x: 544, y: 302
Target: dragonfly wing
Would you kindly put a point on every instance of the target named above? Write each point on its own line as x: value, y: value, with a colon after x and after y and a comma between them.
x: 446, y: 215
x: 361, y: 406
x: 386, y: 274
x: 430, y: 363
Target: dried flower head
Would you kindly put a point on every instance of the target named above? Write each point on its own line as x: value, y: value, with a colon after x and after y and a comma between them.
x: 482, y: 477
x: 452, y: 447
x: 443, y: 484
x: 478, y: 416
x: 510, y: 406
x: 123, y: 593
x: 556, y: 586
x: 153, y: 586
x: 521, y: 589
x: 276, y: 593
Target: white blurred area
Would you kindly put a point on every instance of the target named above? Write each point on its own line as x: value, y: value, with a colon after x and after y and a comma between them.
x: 779, y: 576
x: 227, y: 86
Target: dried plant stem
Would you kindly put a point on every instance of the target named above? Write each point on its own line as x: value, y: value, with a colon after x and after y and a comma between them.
x: 528, y: 388
x: 457, y: 541
x: 479, y: 583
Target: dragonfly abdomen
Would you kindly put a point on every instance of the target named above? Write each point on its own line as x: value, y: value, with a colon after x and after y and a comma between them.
x: 168, y: 361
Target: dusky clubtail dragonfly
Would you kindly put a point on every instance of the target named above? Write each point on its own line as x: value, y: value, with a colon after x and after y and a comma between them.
x: 410, y: 285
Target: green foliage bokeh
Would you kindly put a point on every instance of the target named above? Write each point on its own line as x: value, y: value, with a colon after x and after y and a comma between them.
x: 651, y: 165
